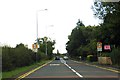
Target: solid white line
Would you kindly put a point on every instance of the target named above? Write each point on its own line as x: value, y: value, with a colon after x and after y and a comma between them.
x: 74, y: 71
x: 79, y: 75
x: 69, y: 67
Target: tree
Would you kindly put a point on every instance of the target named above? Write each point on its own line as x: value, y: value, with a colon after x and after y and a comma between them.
x: 76, y: 39
x: 111, y: 17
x: 82, y: 41
x: 47, y: 43
x: 79, y: 23
x: 110, y: 28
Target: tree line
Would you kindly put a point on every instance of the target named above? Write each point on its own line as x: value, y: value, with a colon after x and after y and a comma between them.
x: 20, y: 56
x: 83, y: 39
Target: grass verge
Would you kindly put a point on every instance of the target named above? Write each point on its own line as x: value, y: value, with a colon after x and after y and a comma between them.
x: 21, y: 70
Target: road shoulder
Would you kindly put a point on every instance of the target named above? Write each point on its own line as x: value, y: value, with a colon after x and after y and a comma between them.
x: 105, y: 67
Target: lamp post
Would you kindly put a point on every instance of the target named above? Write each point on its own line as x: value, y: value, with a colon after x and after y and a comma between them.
x: 37, y: 23
x: 37, y: 30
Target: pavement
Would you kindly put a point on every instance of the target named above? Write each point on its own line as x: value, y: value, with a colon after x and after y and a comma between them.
x: 71, y: 70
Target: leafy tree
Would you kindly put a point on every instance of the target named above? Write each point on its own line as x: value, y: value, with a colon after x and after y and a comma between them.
x: 82, y: 41
x: 110, y: 13
x: 76, y: 39
x: 47, y: 44
x: 79, y: 23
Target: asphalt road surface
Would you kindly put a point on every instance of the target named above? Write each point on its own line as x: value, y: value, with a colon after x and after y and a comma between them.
x: 71, y: 70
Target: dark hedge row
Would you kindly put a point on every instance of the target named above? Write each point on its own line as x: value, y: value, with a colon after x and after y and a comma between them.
x: 17, y: 57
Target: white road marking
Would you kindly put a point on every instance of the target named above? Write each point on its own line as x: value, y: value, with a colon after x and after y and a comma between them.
x: 54, y: 64
x: 74, y: 71
x: 62, y: 61
x: 69, y: 67
x: 79, y: 75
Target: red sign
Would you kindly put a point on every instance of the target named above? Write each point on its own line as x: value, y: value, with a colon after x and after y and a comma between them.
x: 107, y: 47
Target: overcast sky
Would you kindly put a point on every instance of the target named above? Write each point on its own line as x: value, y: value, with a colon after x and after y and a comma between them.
x: 18, y: 20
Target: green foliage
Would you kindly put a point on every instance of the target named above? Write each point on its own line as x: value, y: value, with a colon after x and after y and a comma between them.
x: 90, y: 58
x: 115, y: 56
x: 16, y: 57
x: 42, y: 56
x: 46, y: 45
x: 110, y: 27
x: 79, y: 23
x: 21, y: 56
x: 6, y: 59
x: 101, y: 9
x: 82, y: 41
x: 76, y: 39
x: 105, y: 55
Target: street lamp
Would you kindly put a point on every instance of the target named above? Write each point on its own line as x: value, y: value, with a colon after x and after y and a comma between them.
x: 37, y: 23
x: 37, y: 29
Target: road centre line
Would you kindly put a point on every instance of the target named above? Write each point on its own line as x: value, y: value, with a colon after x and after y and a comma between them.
x: 69, y: 67
x: 74, y: 71
x: 28, y: 73
x: 64, y: 62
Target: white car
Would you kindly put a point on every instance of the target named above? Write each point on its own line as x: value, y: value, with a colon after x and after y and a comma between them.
x: 65, y: 57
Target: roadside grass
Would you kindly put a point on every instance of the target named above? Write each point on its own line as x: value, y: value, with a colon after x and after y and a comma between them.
x: 21, y: 70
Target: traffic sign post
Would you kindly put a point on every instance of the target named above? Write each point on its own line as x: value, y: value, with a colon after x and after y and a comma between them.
x: 35, y: 47
x: 99, y: 47
x: 107, y: 47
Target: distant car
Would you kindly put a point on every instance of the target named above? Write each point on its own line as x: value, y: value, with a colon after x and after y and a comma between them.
x: 57, y: 58
x: 65, y: 57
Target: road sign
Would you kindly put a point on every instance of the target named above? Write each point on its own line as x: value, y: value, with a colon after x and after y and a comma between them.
x: 34, y: 46
x: 99, y: 46
x: 107, y: 47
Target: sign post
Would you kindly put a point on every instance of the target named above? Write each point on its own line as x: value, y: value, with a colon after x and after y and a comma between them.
x: 107, y: 47
x: 99, y: 47
x: 35, y: 47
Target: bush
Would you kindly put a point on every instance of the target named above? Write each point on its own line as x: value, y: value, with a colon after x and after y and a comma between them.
x: 20, y: 56
x: 105, y: 55
x: 90, y: 58
x: 6, y: 60
x: 16, y: 57
x: 115, y: 56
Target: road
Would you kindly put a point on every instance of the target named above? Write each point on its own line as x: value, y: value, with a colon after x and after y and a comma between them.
x: 71, y: 70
